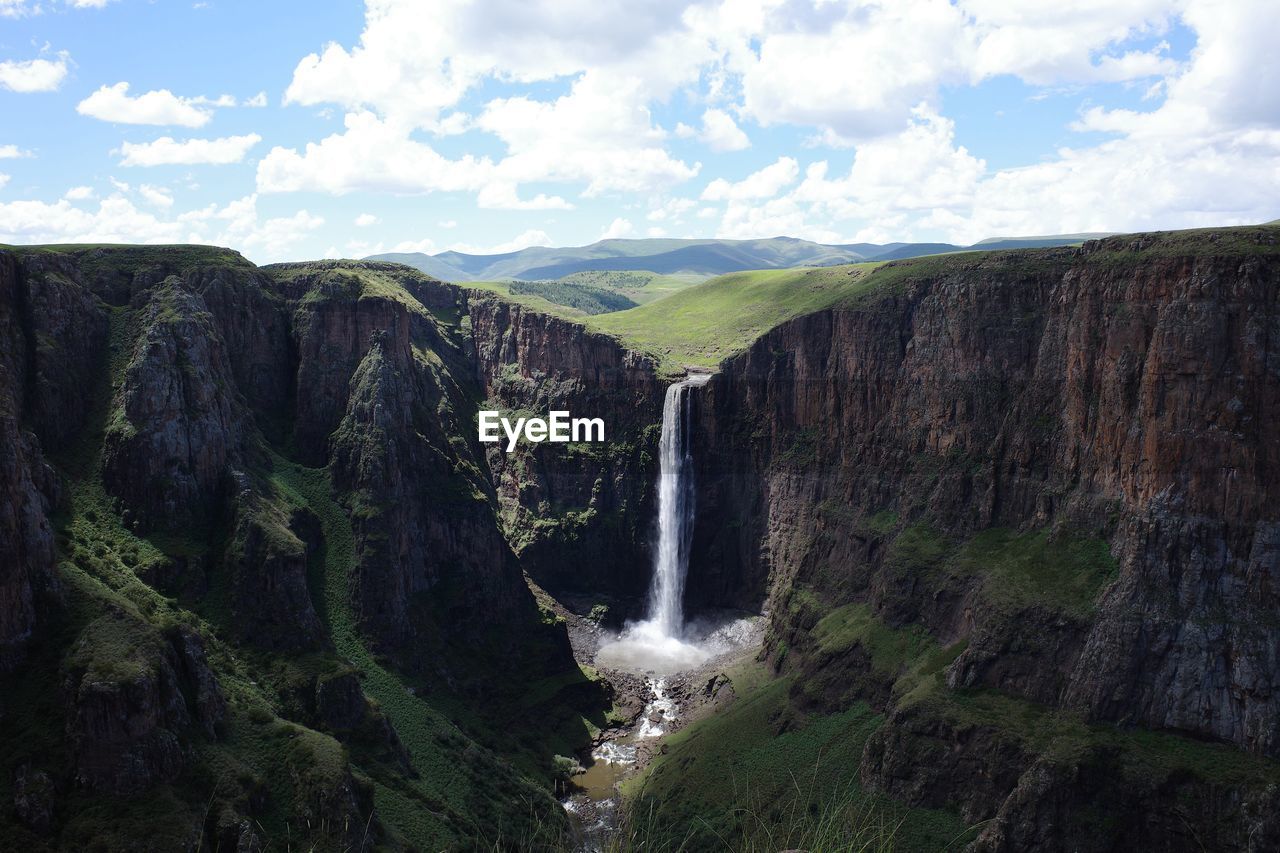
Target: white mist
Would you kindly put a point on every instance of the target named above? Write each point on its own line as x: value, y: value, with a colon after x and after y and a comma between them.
x: 658, y: 643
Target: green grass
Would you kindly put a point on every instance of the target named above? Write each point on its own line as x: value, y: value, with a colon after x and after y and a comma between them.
x: 115, y: 628
x: 462, y: 791
x: 701, y: 324
x: 641, y: 286
x: 1020, y: 569
x: 584, y: 298
x: 890, y: 649
x: 705, y: 323
x: 316, y: 281
x: 1065, y: 736
x: 528, y: 300
x: 755, y: 776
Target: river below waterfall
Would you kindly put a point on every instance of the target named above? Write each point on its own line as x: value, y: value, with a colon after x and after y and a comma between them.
x: 664, y: 669
x: 661, y: 703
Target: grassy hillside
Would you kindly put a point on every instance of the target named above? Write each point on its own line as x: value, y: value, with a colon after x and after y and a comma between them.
x: 587, y: 299
x: 641, y: 286
x: 756, y: 776
x: 703, y: 324
x: 703, y: 256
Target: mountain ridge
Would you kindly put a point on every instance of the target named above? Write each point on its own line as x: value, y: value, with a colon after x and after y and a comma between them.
x: 691, y: 256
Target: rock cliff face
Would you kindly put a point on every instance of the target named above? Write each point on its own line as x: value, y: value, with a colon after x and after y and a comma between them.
x: 1062, y: 466
x: 580, y: 516
x: 28, y: 488
x: 1023, y: 504
x: 153, y: 404
x: 175, y: 424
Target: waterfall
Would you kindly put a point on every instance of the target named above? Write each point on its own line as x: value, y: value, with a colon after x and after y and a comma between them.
x: 675, y: 510
x: 658, y: 645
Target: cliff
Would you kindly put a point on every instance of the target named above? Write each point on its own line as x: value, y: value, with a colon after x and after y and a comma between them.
x: 252, y: 558
x: 1021, y: 484
x: 579, y: 515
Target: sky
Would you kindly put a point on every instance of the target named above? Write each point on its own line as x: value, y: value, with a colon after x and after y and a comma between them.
x: 297, y: 130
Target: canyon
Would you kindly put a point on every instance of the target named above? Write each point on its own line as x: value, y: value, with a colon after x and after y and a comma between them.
x: 1011, y: 518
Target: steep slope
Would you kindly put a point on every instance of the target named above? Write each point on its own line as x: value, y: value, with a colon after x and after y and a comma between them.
x: 1023, y: 504
x: 207, y: 640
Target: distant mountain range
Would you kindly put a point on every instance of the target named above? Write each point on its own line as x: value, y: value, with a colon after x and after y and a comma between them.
x: 699, y: 257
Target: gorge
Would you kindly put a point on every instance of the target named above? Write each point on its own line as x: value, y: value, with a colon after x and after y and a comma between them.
x: 1011, y: 518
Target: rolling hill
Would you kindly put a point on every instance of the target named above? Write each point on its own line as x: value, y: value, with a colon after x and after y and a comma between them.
x: 685, y: 257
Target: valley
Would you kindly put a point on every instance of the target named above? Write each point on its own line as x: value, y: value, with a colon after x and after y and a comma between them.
x: 968, y: 551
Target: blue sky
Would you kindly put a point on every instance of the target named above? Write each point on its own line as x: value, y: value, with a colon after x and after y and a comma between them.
x: 298, y: 130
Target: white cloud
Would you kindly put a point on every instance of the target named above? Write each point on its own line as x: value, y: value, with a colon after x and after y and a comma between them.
x: 258, y: 100
x: 1208, y: 155
x: 617, y: 228
x: 365, y: 220
x: 447, y: 223
x: 532, y: 237
x: 78, y: 193
x: 500, y: 195
x: 762, y: 184
x: 919, y: 169
x: 23, y: 8
x: 238, y: 224
x: 413, y: 65
x: 425, y: 246
x: 33, y: 75
x: 159, y: 106
x: 721, y: 133
x: 156, y: 196
x: 12, y: 152
x: 602, y: 121
x: 672, y: 208
x: 340, y: 163
x: 4, y: 179
x: 116, y: 220
x: 167, y: 151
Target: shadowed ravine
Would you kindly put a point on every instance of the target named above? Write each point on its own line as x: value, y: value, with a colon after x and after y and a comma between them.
x: 978, y: 548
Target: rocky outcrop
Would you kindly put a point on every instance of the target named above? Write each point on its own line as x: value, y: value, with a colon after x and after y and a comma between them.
x: 67, y: 329
x: 174, y: 423
x: 332, y: 326
x: 579, y: 517
x: 128, y: 712
x: 254, y: 324
x: 267, y: 563
x: 1064, y: 459
x: 1090, y: 391
x: 28, y: 488
x: 431, y: 561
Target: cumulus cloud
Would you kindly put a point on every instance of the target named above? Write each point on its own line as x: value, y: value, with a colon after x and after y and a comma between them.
x: 340, y: 163
x: 617, y: 228
x: 4, y: 179
x: 78, y: 193
x: 365, y: 220
x: 1209, y: 154
x: 721, y: 133
x: 23, y: 8
x: 12, y: 152
x: 34, y: 75
x: 524, y: 240
x: 117, y: 219
x: 762, y: 184
x: 166, y: 151
x: 159, y: 106
x: 156, y: 196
